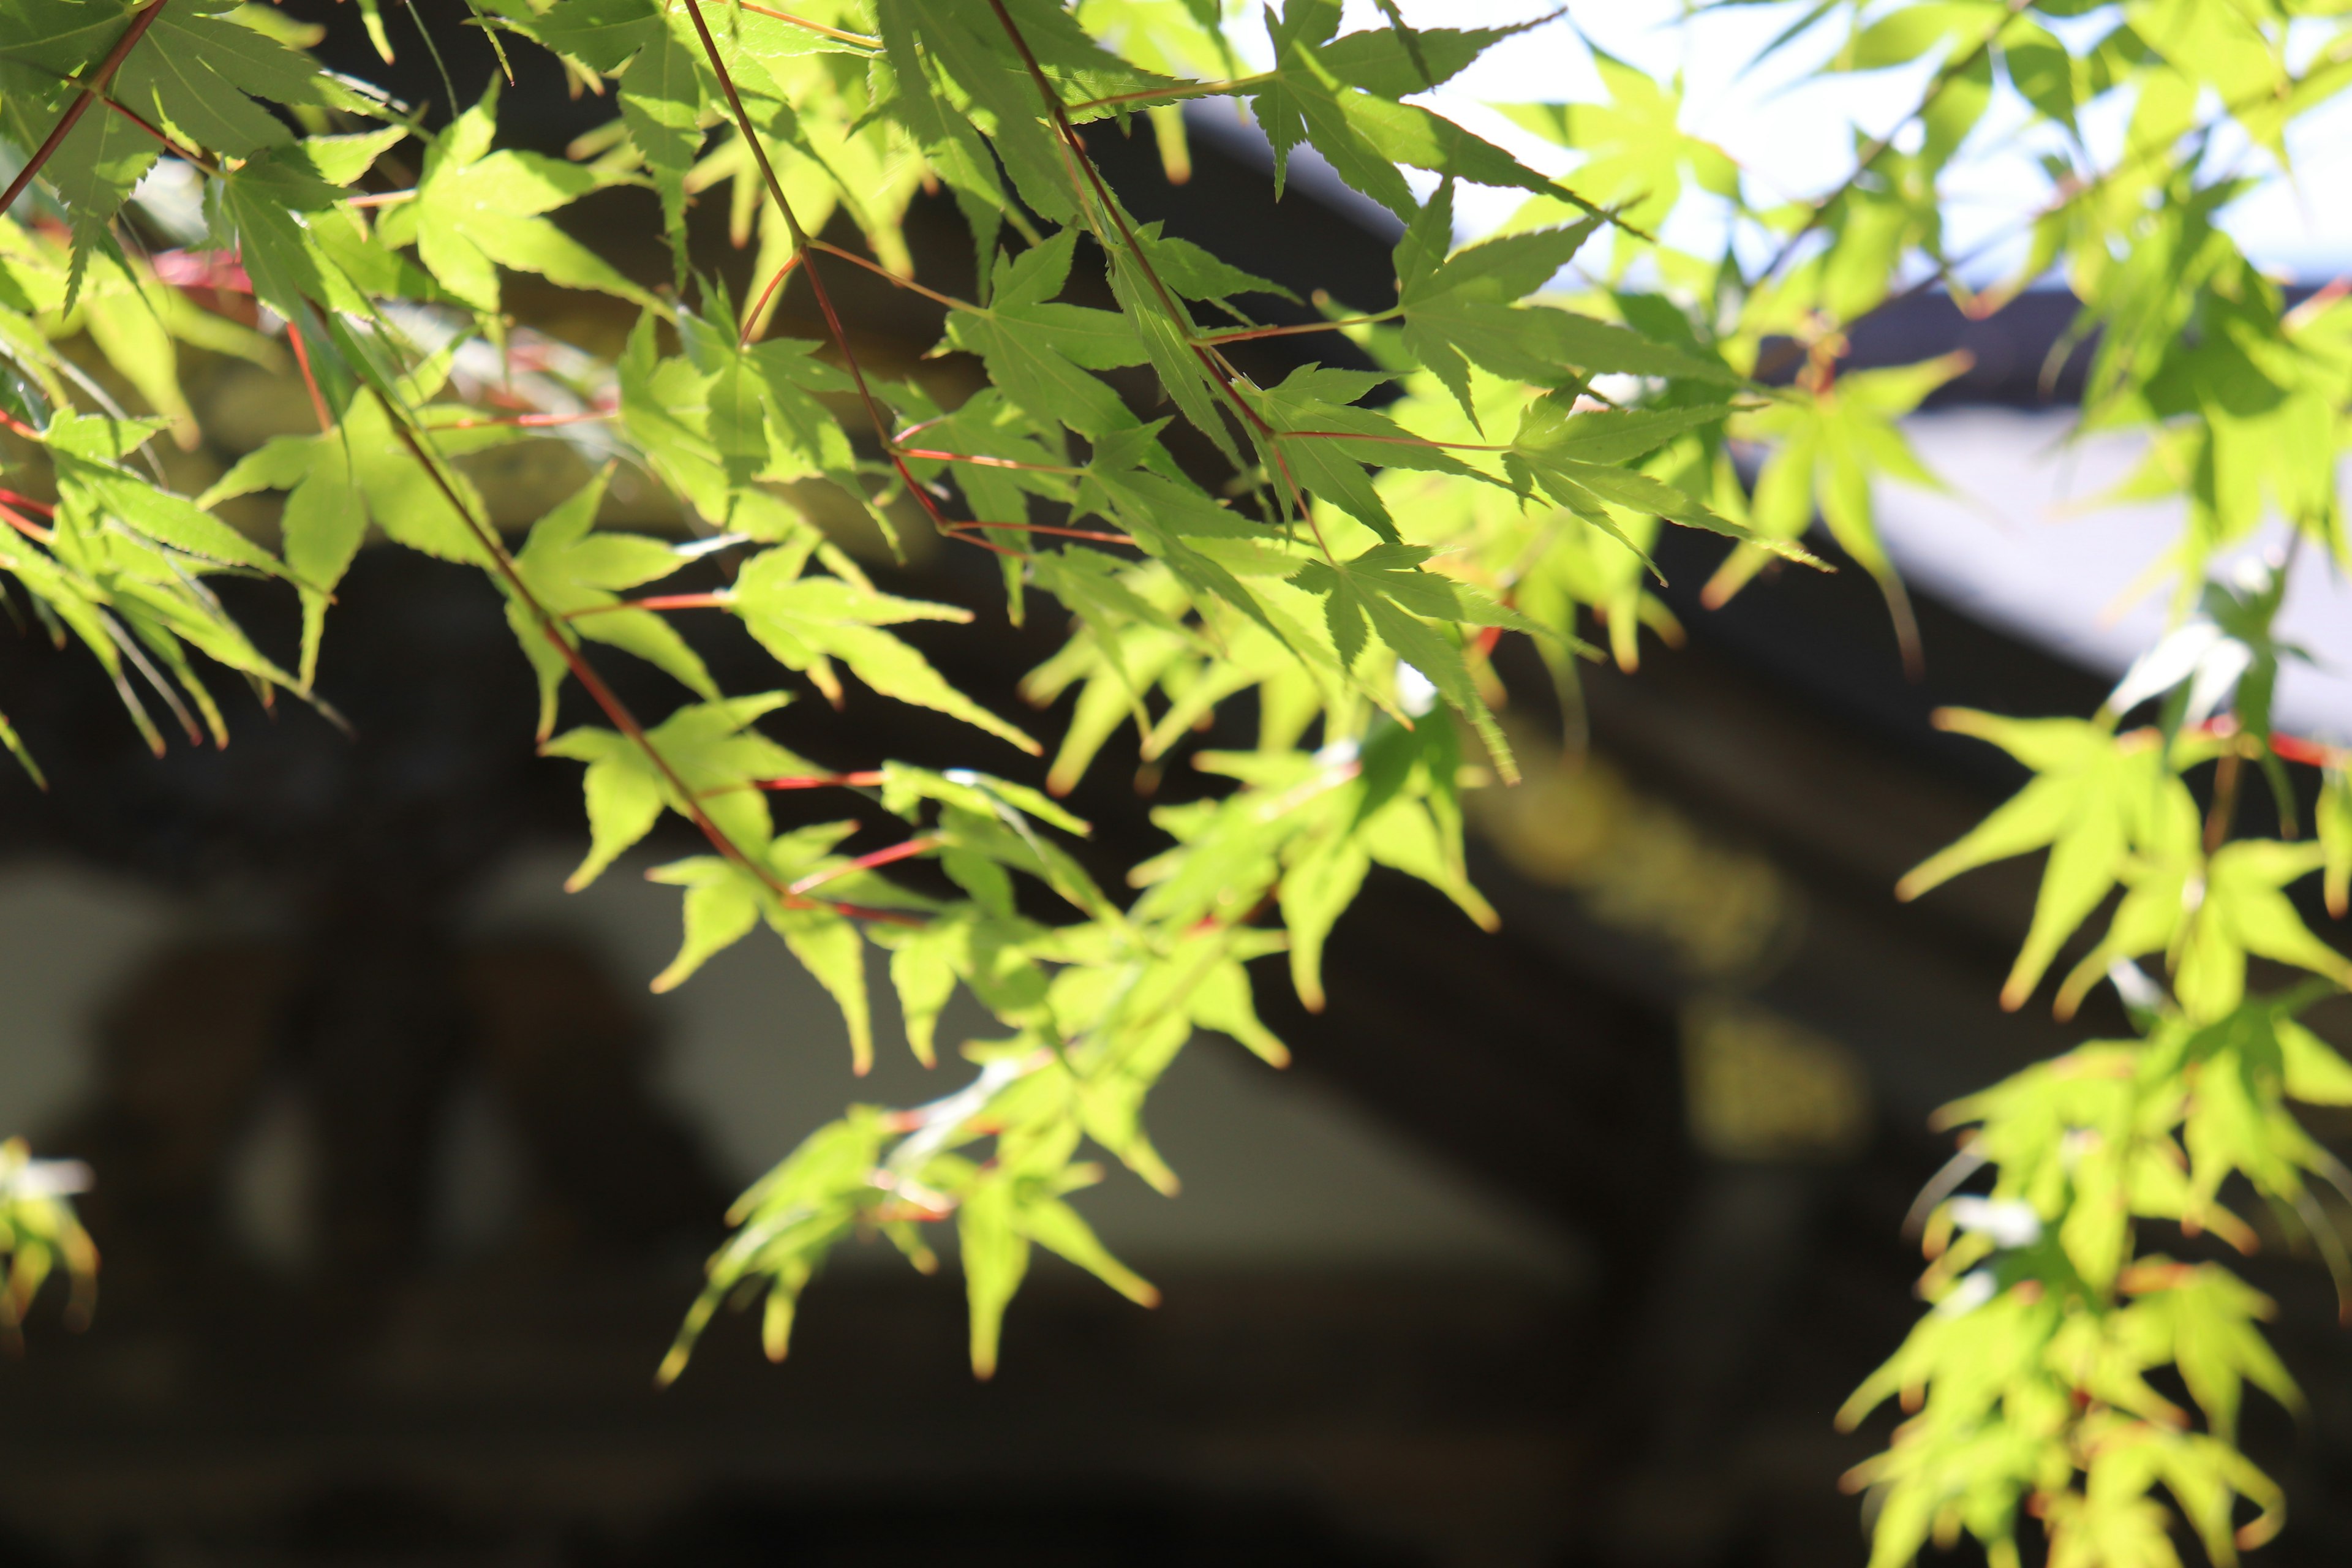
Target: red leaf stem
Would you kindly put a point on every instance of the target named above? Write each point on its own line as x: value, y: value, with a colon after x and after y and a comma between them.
x: 977, y: 460
x: 25, y: 525
x: 302, y: 360
x: 1056, y: 530
x: 743, y: 340
x: 868, y: 862
x: 865, y: 780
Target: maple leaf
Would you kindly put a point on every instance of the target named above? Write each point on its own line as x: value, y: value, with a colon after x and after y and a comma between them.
x: 714, y: 752
x: 476, y: 210
x: 2093, y: 796
x: 1636, y: 152
x: 809, y: 622
x: 1039, y: 352
x: 574, y: 573
x: 1385, y: 589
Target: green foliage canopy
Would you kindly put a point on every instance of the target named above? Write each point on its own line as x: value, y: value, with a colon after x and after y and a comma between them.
x: 1350, y: 586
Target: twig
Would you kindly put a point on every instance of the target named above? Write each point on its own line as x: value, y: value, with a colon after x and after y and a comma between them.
x: 752, y: 316
x: 1250, y: 334
x: 818, y: 28
x: 529, y: 421
x: 907, y: 851
x: 801, y: 244
x: 1057, y: 531
x: 605, y: 696
x: 865, y: 780
x: 1944, y: 78
x: 302, y: 360
x: 80, y: 105
x: 925, y: 454
x: 1152, y: 95
x: 950, y: 300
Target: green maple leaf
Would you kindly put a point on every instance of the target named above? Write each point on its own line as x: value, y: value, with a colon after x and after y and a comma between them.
x: 1462, y: 307
x: 574, y: 573
x: 1575, y: 460
x: 477, y: 210
x: 86, y: 453
x: 200, y: 74
x: 1314, y: 95
x: 2093, y: 796
x: 1039, y: 352
x: 1384, y: 590
x: 724, y: 900
x: 808, y: 623
x: 1829, y: 448
x: 1637, y: 154
x: 277, y: 210
x: 1323, y: 441
x: 716, y: 754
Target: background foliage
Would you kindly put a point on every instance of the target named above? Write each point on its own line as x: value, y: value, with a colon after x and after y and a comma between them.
x: 1335, y: 555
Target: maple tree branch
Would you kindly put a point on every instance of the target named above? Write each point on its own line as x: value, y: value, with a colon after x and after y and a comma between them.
x: 800, y: 245
x: 552, y: 627
x: 1249, y: 334
x: 818, y: 28
x: 1079, y: 160
x: 863, y: 780
x: 950, y: 300
x: 1057, y: 531
x: 752, y: 316
x: 1152, y: 95
x: 185, y: 154
x: 924, y: 454
x: 1951, y: 72
x: 80, y: 105
x: 23, y: 525
x: 529, y: 421
x: 302, y: 362
x: 868, y: 862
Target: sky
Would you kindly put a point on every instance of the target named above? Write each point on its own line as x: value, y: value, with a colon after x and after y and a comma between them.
x: 1796, y: 137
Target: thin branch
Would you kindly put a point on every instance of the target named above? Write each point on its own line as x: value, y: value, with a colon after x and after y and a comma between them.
x: 80, y: 105
x: 25, y: 525
x: 1057, y: 531
x: 907, y: 851
x: 950, y: 300
x: 925, y: 455
x: 302, y: 360
x: 752, y: 316
x: 1250, y: 334
x: 818, y: 28
x: 863, y: 780
x: 529, y: 421
x: 606, y: 697
x: 801, y: 243
x: 184, y: 155
x: 1951, y: 72
x: 1152, y: 95
x: 717, y: 601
